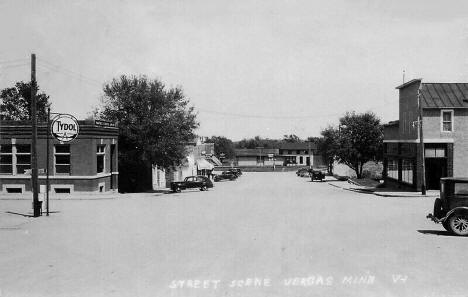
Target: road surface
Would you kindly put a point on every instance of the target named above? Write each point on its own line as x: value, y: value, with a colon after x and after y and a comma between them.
x: 266, y: 234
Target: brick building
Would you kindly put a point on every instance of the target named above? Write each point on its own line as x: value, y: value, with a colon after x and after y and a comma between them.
x: 445, y: 134
x: 89, y: 163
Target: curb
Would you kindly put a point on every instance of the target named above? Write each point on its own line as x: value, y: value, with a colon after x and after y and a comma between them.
x: 382, y: 194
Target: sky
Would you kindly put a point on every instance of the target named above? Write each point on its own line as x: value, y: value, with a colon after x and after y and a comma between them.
x: 266, y: 68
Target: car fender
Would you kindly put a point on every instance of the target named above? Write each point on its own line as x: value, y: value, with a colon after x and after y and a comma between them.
x: 456, y: 210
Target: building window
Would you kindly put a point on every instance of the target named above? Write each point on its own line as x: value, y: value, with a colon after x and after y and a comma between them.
x: 434, y: 152
x: 447, y: 120
x: 298, y: 152
x: 62, y: 159
x: 301, y: 160
x: 289, y: 152
x: 100, y: 154
x: 392, y: 169
x: 407, y: 171
x: 23, y: 158
x: 6, y: 159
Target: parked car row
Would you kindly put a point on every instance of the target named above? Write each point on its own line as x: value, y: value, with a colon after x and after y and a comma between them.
x: 230, y: 174
x: 203, y: 182
x: 313, y: 173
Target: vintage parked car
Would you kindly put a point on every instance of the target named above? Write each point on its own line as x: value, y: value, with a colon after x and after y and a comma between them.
x: 225, y: 175
x: 237, y: 171
x: 316, y: 174
x: 199, y: 181
x: 303, y: 172
x: 451, y: 209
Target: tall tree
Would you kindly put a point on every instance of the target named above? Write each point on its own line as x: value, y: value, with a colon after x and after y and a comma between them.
x: 15, y: 103
x: 155, y: 123
x: 222, y: 145
x: 255, y: 142
x: 327, y: 146
x: 360, y: 139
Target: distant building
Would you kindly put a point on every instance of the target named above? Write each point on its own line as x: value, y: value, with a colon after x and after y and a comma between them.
x: 445, y: 134
x: 288, y: 154
x: 200, y: 160
x: 300, y: 154
x: 88, y: 163
x: 257, y: 157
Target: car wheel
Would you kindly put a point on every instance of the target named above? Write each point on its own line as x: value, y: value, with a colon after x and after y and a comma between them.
x: 178, y: 190
x: 458, y: 224
x: 203, y: 188
x: 446, y: 225
x: 437, y: 208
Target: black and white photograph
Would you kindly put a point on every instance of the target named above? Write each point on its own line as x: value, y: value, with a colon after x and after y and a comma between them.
x: 214, y: 148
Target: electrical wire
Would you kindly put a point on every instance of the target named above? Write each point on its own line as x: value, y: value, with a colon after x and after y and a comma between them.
x: 52, y: 67
x: 14, y: 61
x: 240, y: 115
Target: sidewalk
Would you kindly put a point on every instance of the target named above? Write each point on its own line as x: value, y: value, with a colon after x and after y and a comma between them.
x: 382, y: 192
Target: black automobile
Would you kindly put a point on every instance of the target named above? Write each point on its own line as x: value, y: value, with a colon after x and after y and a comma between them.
x: 236, y: 171
x: 451, y: 209
x: 302, y: 172
x: 192, y: 182
x: 316, y: 174
x: 229, y: 175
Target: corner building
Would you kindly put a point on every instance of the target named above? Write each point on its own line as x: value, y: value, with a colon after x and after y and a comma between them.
x: 445, y: 128
x: 89, y: 163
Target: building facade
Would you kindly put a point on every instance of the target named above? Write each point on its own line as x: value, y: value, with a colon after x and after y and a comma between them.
x: 444, y: 108
x: 257, y: 157
x: 288, y: 154
x: 200, y: 160
x: 300, y: 154
x: 89, y: 163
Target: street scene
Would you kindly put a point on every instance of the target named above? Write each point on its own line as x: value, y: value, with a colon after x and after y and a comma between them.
x: 266, y: 234
x: 233, y: 148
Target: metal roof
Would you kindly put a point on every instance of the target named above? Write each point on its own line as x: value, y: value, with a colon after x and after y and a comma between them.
x: 297, y: 145
x: 255, y: 152
x: 444, y: 95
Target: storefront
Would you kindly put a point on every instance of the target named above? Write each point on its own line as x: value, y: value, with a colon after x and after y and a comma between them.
x: 88, y: 163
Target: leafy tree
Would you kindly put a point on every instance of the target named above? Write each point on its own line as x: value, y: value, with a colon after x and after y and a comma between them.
x: 291, y: 138
x: 257, y: 141
x: 155, y: 123
x: 222, y: 145
x: 360, y: 139
x: 15, y: 103
x: 327, y: 146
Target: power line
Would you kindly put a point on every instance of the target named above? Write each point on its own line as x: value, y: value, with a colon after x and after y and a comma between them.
x: 14, y: 61
x: 240, y: 115
x: 77, y: 75
x: 13, y: 65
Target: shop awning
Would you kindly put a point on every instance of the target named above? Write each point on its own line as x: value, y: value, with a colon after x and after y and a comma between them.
x: 215, y: 161
x: 204, y: 164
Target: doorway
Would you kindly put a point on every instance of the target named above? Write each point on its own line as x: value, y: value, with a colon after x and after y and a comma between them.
x: 436, y: 168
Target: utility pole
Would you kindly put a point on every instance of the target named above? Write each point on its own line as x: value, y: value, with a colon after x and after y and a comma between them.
x: 47, y: 161
x: 421, y: 143
x: 310, y: 159
x: 33, y: 116
x: 260, y: 152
